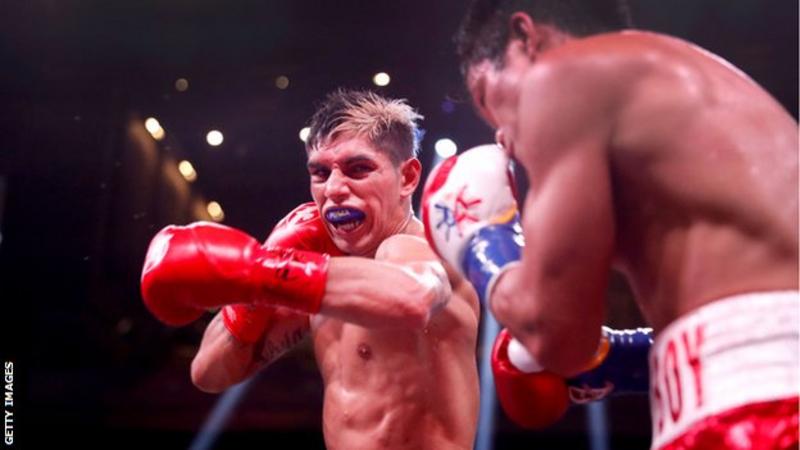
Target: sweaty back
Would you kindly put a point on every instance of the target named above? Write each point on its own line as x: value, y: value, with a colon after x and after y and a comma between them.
x: 704, y: 169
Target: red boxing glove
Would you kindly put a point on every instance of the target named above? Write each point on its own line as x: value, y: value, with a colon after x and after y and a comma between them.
x: 531, y: 400
x: 204, y: 265
x: 301, y: 229
x: 248, y: 322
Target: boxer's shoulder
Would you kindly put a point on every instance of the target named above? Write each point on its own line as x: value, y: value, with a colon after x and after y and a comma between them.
x: 612, y: 58
x: 404, y: 247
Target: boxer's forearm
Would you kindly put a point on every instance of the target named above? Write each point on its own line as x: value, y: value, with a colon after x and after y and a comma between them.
x: 554, y: 301
x: 380, y: 294
x: 221, y: 361
x: 561, y: 342
x: 224, y: 360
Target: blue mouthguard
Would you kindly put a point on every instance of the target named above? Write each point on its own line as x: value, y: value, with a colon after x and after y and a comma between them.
x: 343, y: 215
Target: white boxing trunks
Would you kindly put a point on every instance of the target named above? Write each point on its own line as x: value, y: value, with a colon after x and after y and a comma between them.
x: 725, y: 376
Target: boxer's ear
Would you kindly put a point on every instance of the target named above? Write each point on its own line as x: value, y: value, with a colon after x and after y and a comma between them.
x: 410, y: 172
x: 526, y: 33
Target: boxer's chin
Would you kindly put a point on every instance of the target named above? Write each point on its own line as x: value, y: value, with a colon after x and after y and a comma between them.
x: 354, y: 242
x: 347, y: 229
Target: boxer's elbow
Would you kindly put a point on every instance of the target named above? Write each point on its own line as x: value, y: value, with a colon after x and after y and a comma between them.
x: 561, y: 343
x: 204, y: 378
x: 559, y: 327
x: 214, y: 370
x: 413, y: 308
x: 427, y: 291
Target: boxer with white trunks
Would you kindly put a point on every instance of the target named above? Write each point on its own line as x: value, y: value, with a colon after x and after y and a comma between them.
x: 725, y: 376
x: 708, y: 369
x: 651, y: 156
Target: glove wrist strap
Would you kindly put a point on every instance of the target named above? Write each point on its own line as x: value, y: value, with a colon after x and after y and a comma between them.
x: 489, y: 253
x: 293, y: 278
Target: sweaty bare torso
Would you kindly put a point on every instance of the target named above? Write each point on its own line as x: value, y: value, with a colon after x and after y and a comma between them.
x: 399, y: 388
x: 704, y: 166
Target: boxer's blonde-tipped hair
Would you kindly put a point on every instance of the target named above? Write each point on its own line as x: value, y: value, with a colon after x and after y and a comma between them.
x: 390, y: 124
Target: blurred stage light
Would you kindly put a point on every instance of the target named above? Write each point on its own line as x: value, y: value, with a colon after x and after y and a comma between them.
x: 187, y: 170
x: 154, y: 128
x: 181, y: 84
x: 215, y: 211
x: 159, y: 134
x: 448, y: 106
x: 124, y: 326
x: 282, y: 82
x: 445, y: 148
x: 152, y: 125
x: 381, y: 79
x: 214, y: 138
x: 304, y: 133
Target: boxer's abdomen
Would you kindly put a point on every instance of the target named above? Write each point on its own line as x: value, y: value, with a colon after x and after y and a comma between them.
x: 395, y: 388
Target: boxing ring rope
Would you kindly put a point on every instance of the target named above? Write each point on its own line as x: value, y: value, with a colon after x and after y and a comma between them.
x: 218, y: 418
x: 484, y: 438
x: 597, y: 425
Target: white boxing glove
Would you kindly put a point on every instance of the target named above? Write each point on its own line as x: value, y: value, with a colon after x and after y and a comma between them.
x: 471, y: 217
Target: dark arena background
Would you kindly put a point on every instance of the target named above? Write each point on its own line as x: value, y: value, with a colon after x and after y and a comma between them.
x: 86, y: 180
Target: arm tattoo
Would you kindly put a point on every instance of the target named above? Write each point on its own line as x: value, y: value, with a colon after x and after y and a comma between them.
x: 275, y: 347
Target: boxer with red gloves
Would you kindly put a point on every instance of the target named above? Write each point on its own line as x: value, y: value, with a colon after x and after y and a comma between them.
x: 393, y: 331
x: 471, y: 220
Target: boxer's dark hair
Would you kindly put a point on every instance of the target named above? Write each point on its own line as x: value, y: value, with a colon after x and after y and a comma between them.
x: 484, y: 31
x: 390, y: 124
